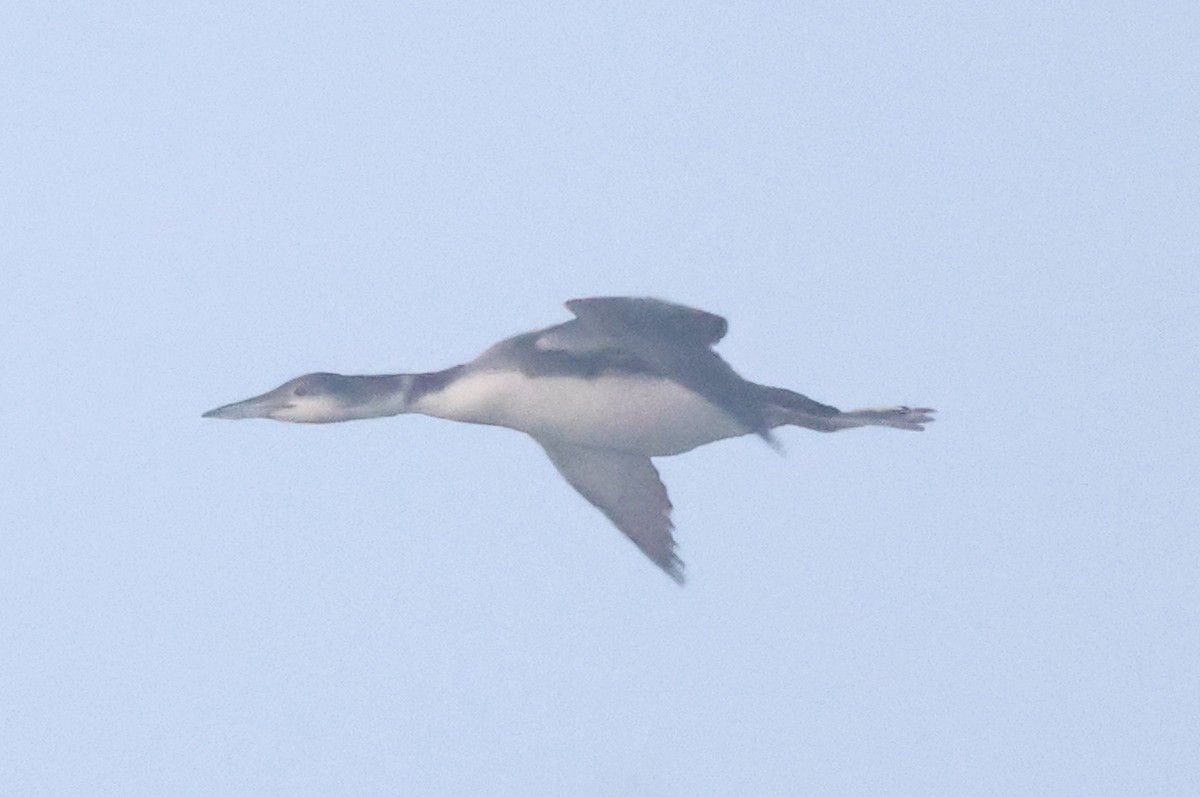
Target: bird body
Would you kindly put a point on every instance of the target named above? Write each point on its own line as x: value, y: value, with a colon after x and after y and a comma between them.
x: 634, y: 413
x: 626, y: 380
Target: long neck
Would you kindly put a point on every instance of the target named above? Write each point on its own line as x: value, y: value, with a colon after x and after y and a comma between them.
x: 352, y: 398
x: 392, y: 394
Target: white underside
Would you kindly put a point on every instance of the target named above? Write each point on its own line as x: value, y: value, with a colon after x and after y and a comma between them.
x: 636, y: 414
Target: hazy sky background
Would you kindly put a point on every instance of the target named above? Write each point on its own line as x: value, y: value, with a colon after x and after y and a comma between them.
x: 989, y: 210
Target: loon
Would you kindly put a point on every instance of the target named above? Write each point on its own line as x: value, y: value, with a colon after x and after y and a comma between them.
x: 626, y: 380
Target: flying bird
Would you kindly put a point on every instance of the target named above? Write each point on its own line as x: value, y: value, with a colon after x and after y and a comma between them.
x: 627, y: 379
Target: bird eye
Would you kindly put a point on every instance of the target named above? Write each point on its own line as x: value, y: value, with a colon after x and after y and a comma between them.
x: 300, y: 391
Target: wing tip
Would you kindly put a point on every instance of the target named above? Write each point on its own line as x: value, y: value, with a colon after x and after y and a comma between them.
x: 673, y: 567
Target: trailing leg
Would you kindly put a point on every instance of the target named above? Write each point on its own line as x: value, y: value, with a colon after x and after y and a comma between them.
x: 788, y: 408
x: 911, y: 418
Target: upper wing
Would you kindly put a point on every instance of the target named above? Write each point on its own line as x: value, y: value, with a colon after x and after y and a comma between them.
x: 625, y: 487
x: 652, y: 318
x: 676, y: 340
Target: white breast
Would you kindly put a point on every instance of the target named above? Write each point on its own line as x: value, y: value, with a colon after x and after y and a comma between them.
x: 638, y: 414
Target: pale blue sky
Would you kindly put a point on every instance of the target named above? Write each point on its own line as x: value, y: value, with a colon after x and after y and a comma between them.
x: 992, y: 210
